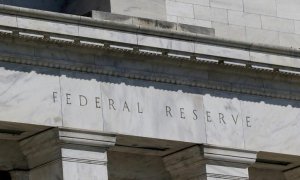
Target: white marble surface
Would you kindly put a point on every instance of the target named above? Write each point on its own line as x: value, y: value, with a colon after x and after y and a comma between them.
x: 179, y: 9
x: 274, y: 127
x: 278, y: 24
x: 47, y: 26
x: 154, y: 121
x: 211, y: 14
x: 228, y: 4
x: 154, y: 41
x: 80, y: 171
x: 274, y: 59
x: 262, y: 36
x: 224, y: 121
x: 244, y: 19
x: 226, y: 171
x: 288, y: 9
x: 8, y: 19
x: 266, y: 7
x: 84, y: 164
x: 110, y: 35
x: 25, y: 97
x: 154, y: 9
x: 221, y: 51
x: 79, y: 96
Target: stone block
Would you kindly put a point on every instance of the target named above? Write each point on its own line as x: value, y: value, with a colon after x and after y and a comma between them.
x: 231, y: 32
x: 8, y: 20
x: 172, y: 18
x: 288, y: 9
x: 274, y: 59
x: 261, y: 36
x: 244, y: 19
x: 78, y: 171
x: 200, y: 2
x: 154, y: 9
x: 111, y: 17
x: 227, y: 4
x: 195, y: 22
x: 47, y: 26
x: 154, y: 24
x: 183, y: 46
x: 210, y: 14
x: 274, y: 124
x: 144, y: 22
x: 109, y: 35
x: 297, y: 27
x: 81, y: 101
x: 265, y: 7
x: 27, y: 95
x: 151, y: 112
x: 226, y: 171
x: 154, y: 41
x: 224, y: 121
x: 222, y: 51
x: 179, y: 9
x: 289, y: 40
x: 277, y: 24
x: 165, y: 25
x: 195, y: 29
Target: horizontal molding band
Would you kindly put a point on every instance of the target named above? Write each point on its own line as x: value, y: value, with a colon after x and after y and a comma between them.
x: 143, y: 76
x: 84, y: 161
x: 81, y: 20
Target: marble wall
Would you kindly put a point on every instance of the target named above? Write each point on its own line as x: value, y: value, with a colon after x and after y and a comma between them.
x: 154, y: 9
x: 24, y: 96
x: 273, y: 22
x: 147, y: 109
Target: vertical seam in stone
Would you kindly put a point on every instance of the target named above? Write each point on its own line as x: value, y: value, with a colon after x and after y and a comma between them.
x: 61, y: 99
x: 276, y: 8
x: 243, y: 6
x: 194, y: 16
x: 78, y: 30
x: 243, y: 127
x: 205, y: 123
x: 227, y: 13
x: 294, y: 25
x: 260, y: 21
x: 102, y: 108
x: 17, y: 21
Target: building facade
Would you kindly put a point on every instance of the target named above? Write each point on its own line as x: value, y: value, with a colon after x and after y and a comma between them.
x: 149, y: 90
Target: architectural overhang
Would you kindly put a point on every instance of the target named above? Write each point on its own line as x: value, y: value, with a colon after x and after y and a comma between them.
x: 162, y: 40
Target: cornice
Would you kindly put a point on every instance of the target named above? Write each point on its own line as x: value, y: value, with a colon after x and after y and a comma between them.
x: 133, y: 28
x: 147, y: 76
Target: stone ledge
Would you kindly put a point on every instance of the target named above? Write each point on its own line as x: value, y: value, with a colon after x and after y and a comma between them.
x: 151, y: 23
x: 132, y: 28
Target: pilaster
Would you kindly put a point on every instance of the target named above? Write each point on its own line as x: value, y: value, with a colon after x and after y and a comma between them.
x: 67, y: 154
x: 208, y: 162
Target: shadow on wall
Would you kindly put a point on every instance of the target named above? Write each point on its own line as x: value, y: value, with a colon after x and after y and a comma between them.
x: 116, y: 81
x: 4, y: 175
x: 77, y: 7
